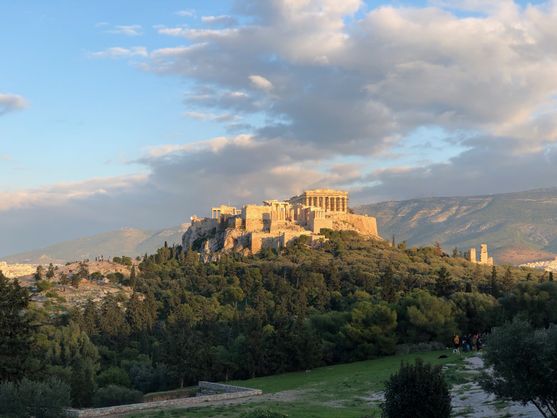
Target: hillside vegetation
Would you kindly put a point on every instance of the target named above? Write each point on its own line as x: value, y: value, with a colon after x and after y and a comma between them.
x: 518, y: 227
x: 347, y: 300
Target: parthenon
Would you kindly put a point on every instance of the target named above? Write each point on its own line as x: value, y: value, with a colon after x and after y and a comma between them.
x: 328, y: 199
x: 275, y: 222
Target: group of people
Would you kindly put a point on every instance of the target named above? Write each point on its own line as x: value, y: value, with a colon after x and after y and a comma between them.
x: 468, y: 342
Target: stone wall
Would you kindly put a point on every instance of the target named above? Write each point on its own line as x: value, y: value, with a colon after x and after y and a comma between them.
x: 220, y: 392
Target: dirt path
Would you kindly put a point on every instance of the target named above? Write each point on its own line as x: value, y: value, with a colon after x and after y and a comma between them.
x: 470, y: 400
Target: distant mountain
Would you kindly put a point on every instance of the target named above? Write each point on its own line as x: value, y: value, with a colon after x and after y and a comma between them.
x: 518, y: 227
x: 128, y: 241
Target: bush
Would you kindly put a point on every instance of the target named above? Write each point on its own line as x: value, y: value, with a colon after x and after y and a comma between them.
x: 417, y: 391
x: 34, y: 399
x: 263, y: 413
x: 116, y: 395
x: 113, y: 376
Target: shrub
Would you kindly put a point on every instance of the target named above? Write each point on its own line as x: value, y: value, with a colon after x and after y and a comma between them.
x: 34, y: 399
x: 113, y: 376
x: 43, y: 285
x: 417, y: 391
x: 116, y: 395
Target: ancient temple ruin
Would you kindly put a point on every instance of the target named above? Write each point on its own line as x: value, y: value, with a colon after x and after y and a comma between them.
x: 276, y: 222
x: 484, y: 256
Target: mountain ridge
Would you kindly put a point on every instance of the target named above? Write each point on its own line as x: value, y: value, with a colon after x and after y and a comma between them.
x: 125, y: 241
x: 518, y: 227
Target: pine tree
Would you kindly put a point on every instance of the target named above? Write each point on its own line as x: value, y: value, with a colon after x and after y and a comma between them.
x: 16, y: 334
x: 493, y: 285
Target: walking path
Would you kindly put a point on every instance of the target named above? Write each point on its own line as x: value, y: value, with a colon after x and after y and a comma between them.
x: 471, y: 401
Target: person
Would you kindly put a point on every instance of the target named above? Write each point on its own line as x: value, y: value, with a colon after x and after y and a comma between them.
x: 456, y: 343
x: 475, y: 341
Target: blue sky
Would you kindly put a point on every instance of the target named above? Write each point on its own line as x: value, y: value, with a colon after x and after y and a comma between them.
x: 86, y: 117
x: 92, y: 117
x: 141, y: 113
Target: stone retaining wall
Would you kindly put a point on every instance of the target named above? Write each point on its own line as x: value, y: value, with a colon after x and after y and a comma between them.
x: 221, y: 392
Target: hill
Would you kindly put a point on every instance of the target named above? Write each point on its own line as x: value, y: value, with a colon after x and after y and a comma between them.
x: 518, y: 227
x: 127, y: 241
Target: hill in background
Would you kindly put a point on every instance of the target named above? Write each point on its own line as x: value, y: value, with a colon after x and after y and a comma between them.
x: 127, y: 241
x: 518, y: 227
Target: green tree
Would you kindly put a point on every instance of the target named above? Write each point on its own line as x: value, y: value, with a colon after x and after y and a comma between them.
x: 27, y: 398
x: 475, y: 312
x: 68, y: 353
x: 444, y: 285
x: 371, y: 330
x: 523, y: 363
x: 50, y: 272
x: 425, y: 317
x: 16, y: 333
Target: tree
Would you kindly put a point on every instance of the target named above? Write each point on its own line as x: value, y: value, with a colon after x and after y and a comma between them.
x: 417, y: 391
x: 475, y: 312
x: 425, y: 317
x: 39, y: 273
x: 69, y: 353
x: 534, y: 302
x: 493, y: 285
x: 523, y: 361
x: 50, y: 272
x: 27, y: 398
x: 371, y: 330
x: 16, y: 333
x: 444, y: 283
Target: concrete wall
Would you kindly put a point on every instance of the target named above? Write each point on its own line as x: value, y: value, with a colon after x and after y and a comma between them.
x: 222, y: 392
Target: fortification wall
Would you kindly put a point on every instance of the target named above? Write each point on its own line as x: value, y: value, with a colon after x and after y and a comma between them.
x: 365, y: 225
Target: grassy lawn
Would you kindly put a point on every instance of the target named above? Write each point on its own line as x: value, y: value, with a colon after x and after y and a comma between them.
x: 340, y: 391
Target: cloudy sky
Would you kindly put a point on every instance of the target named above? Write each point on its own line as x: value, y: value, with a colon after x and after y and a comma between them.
x: 140, y: 113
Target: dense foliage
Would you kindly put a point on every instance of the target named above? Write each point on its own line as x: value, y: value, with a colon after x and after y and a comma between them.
x: 417, y: 391
x: 295, y: 309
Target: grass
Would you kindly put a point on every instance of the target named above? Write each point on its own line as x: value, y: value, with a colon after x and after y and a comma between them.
x: 340, y: 391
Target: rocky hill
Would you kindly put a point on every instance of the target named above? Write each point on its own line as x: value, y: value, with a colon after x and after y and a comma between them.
x: 127, y: 241
x: 518, y: 227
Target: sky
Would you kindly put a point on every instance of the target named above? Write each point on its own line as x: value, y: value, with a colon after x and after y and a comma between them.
x: 141, y: 113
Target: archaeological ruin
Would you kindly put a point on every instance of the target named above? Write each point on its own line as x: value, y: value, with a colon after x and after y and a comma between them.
x: 275, y: 223
x: 485, y: 259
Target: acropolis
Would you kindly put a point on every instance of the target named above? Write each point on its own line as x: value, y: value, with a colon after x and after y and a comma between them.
x: 276, y: 222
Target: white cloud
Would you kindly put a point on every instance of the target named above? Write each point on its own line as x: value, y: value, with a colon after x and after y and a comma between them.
x: 221, y: 20
x: 11, y: 102
x: 126, y: 30
x: 261, y: 82
x: 185, y: 13
x: 121, y: 52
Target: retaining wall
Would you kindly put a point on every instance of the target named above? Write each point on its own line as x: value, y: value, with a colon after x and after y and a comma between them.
x: 221, y: 392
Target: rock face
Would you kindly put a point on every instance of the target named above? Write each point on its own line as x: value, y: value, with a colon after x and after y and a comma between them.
x: 274, y: 224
